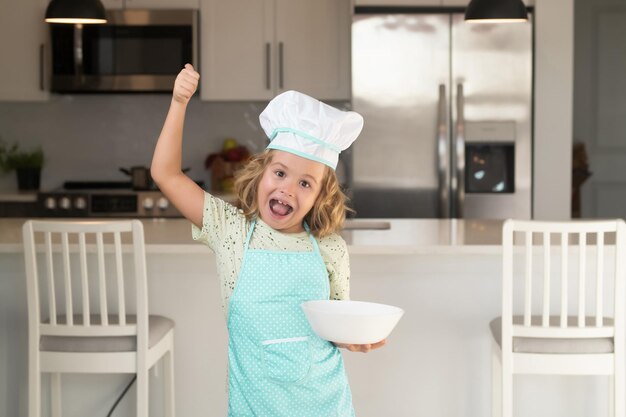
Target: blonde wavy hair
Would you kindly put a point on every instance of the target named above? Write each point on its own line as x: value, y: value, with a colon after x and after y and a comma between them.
x: 325, y: 217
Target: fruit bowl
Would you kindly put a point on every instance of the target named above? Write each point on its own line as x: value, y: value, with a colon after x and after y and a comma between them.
x: 351, y: 322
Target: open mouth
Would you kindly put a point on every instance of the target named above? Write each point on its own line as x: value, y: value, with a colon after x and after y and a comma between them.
x: 280, y: 208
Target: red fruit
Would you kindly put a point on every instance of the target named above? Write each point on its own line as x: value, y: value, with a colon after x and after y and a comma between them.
x: 244, y: 152
x: 233, y: 155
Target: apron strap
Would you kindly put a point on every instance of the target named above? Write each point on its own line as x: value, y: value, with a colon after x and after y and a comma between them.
x: 316, y: 248
x: 250, y: 230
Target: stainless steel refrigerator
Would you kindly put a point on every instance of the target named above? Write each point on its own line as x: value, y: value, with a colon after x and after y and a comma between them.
x: 448, y: 113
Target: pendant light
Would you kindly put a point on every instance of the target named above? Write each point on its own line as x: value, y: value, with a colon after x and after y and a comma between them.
x: 75, y: 11
x: 496, y: 11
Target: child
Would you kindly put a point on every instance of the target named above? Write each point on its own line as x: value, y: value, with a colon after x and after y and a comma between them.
x: 279, y: 250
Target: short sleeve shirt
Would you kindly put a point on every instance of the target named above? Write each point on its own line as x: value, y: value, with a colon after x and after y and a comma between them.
x: 225, y: 228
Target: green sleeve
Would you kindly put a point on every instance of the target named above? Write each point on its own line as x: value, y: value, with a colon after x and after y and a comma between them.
x: 335, y: 253
x: 217, y: 216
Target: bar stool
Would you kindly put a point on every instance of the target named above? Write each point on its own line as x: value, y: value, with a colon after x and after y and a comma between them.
x: 80, y: 299
x: 557, y: 333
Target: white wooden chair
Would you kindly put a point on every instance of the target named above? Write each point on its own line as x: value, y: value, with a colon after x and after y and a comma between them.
x: 571, y: 319
x: 80, y: 293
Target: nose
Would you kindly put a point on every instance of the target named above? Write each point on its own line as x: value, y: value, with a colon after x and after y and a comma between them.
x: 288, y: 189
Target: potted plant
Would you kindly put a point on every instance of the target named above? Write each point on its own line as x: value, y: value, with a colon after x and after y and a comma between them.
x: 27, y: 164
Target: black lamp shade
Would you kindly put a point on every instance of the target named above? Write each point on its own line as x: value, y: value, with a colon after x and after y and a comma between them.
x: 75, y: 11
x: 496, y: 11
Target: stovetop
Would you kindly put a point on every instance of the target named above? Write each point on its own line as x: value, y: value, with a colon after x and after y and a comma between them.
x: 106, y: 185
x: 94, y: 199
x: 96, y: 185
x: 104, y: 199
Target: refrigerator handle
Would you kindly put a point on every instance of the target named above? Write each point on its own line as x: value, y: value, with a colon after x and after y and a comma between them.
x: 443, y: 157
x: 459, y: 146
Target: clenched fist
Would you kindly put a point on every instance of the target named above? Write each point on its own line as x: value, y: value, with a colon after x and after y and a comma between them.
x: 186, y: 84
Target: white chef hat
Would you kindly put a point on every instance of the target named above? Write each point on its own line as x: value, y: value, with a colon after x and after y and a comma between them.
x: 304, y: 126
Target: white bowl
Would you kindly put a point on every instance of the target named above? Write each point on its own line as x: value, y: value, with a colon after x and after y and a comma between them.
x: 351, y: 322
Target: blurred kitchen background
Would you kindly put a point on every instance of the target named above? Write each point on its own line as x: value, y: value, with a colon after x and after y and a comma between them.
x: 88, y: 137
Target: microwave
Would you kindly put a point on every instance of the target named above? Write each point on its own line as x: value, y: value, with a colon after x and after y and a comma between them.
x: 135, y: 51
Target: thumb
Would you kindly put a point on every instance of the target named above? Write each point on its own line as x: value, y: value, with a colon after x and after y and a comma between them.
x: 189, y: 66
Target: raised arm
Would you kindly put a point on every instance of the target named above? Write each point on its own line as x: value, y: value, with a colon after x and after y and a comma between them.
x: 166, y: 170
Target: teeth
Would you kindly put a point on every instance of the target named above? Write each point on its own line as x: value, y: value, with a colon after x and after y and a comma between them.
x: 282, y: 203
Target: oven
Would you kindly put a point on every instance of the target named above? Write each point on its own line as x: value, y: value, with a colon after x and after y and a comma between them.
x: 104, y: 199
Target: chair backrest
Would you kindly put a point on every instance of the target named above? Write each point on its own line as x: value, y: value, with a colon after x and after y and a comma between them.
x: 78, y: 283
x: 565, y: 278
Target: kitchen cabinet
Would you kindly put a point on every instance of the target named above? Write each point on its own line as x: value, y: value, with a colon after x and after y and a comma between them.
x: 422, y: 3
x: 418, y: 3
x: 25, y: 51
x: 151, y: 4
x: 255, y: 49
x: 429, y: 3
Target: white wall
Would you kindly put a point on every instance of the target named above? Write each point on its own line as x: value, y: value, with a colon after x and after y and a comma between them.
x: 88, y: 136
x: 554, y: 58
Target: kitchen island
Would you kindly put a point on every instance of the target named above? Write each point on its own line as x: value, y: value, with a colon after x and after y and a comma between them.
x: 363, y: 236
x: 444, y: 273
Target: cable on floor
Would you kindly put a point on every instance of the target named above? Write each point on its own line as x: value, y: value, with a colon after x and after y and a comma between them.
x: 122, y: 395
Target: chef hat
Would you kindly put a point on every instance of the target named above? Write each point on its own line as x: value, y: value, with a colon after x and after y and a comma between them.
x: 304, y: 126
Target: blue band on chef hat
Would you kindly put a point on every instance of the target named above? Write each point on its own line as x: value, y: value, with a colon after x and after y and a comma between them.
x: 302, y: 154
x: 306, y: 136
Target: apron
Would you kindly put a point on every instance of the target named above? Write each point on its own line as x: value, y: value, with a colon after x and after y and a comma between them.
x: 277, y: 366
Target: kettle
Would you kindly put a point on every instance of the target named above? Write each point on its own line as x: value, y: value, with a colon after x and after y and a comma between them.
x: 140, y: 177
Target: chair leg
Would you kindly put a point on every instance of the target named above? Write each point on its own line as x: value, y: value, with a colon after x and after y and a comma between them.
x: 496, y: 382
x: 142, y: 393
x: 619, y: 400
x: 55, y: 394
x: 34, y: 385
x: 507, y: 388
x: 611, y: 395
x: 168, y: 381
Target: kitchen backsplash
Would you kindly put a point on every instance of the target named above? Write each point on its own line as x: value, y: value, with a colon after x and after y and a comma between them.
x: 88, y: 137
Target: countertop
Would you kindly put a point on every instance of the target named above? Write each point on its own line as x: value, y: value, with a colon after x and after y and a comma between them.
x: 19, y: 197
x: 363, y: 236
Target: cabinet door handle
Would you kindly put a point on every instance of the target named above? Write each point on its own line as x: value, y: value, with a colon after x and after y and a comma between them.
x: 280, y: 65
x: 42, y: 68
x: 268, y: 84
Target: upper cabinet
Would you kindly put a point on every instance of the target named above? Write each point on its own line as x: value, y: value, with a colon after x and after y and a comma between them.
x: 462, y: 3
x: 255, y: 49
x: 151, y: 4
x: 25, y: 54
x: 419, y: 3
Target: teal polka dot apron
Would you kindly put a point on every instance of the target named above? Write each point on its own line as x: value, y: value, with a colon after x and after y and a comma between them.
x: 277, y: 366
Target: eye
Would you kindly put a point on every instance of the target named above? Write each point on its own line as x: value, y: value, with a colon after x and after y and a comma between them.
x: 305, y: 184
x: 279, y: 173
